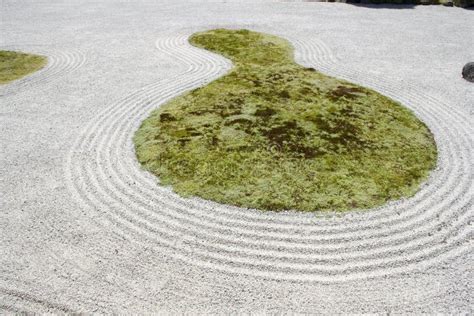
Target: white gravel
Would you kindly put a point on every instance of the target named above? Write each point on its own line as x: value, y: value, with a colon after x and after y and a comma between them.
x: 84, y: 229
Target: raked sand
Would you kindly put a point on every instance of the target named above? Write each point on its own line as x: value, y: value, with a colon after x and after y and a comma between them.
x: 84, y: 229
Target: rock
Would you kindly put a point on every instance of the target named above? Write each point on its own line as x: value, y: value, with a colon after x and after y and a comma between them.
x: 468, y: 72
x: 448, y: 4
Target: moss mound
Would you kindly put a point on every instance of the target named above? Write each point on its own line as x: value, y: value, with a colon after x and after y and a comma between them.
x: 274, y: 135
x: 14, y: 65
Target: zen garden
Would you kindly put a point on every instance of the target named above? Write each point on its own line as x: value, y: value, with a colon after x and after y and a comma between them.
x: 237, y: 157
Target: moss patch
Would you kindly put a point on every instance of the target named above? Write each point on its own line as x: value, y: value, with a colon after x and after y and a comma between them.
x: 14, y: 65
x: 274, y: 135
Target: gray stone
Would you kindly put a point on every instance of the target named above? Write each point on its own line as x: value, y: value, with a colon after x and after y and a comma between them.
x: 468, y: 72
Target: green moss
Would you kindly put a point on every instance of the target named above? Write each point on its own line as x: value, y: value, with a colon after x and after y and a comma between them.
x: 274, y: 135
x: 14, y: 65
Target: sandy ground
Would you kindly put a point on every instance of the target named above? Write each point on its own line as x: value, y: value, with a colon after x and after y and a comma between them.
x: 84, y: 229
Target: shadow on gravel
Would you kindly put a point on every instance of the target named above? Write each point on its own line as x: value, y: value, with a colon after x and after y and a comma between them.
x: 397, y: 4
x: 383, y: 6
x: 408, y: 4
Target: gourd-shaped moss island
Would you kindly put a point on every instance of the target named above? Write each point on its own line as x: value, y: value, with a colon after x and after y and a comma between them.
x: 274, y: 135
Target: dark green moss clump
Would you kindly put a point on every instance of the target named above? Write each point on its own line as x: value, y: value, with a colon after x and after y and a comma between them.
x: 14, y: 65
x: 274, y: 135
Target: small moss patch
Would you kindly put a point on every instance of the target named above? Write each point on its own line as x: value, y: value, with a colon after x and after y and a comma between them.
x: 14, y: 65
x: 274, y: 135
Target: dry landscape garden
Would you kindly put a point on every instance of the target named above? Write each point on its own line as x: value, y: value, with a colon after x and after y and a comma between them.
x: 218, y: 157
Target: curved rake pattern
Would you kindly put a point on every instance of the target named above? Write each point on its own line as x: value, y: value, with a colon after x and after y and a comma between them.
x: 434, y: 225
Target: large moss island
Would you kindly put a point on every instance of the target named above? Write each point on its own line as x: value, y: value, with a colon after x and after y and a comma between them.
x: 274, y: 135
